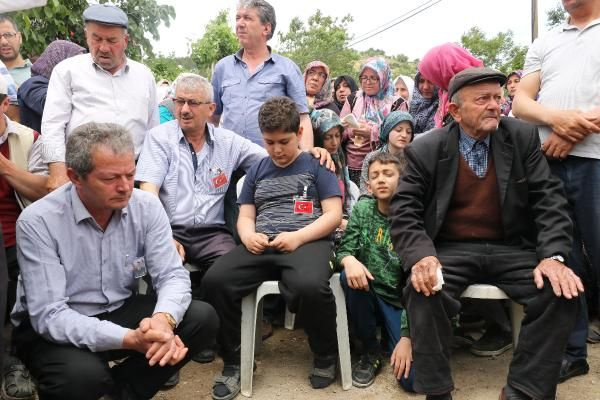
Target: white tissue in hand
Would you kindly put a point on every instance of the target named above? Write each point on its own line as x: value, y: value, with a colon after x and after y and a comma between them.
x: 440, y: 281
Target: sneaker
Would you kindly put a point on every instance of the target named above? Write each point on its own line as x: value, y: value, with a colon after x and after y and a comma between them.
x: 493, y: 343
x: 17, y: 383
x: 460, y: 338
x: 365, y: 370
x: 323, y: 371
x: 570, y: 369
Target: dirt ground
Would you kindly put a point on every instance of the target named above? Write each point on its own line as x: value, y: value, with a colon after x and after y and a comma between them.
x: 282, y: 372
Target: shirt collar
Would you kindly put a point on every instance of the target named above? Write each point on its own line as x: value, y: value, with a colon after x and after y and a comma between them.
x: 81, y: 213
x: 10, y: 128
x: 566, y: 26
x: 467, y: 141
x: 240, y: 53
x: 209, y: 134
x: 124, y: 69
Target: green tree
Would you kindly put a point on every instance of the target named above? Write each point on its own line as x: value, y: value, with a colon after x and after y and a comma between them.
x: 218, y: 41
x: 400, y: 64
x: 498, y: 52
x: 323, y: 38
x: 556, y: 15
x: 62, y: 19
x: 164, y: 67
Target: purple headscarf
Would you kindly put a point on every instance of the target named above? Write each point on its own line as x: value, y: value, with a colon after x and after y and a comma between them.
x: 56, y: 52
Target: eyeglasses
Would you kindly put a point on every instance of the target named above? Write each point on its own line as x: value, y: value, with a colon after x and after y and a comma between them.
x: 190, y: 102
x: 369, y: 79
x: 8, y: 35
x: 320, y: 74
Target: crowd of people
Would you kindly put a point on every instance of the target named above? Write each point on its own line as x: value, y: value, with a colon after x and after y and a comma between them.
x: 412, y: 188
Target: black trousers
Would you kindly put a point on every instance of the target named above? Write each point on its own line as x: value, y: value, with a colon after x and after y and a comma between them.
x: 3, y: 293
x: 548, y: 319
x: 304, y: 284
x: 65, y: 372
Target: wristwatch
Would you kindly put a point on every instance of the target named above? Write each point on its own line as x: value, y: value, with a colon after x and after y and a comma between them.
x: 170, y: 320
x: 558, y: 257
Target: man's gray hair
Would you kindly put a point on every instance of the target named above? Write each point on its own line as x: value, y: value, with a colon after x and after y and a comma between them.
x: 266, y: 12
x: 189, y: 82
x: 6, y: 18
x: 84, y: 139
x: 456, y: 99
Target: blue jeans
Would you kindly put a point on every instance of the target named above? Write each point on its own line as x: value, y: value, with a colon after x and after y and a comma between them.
x: 364, y: 308
x: 581, y: 178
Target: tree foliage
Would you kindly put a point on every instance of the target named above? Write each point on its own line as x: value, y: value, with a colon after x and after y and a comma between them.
x: 556, y: 15
x: 62, y: 19
x: 165, y: 67
x: 498, y: 52
x: 218, y: 41
x: 323, y: 38
x: 400, y: 64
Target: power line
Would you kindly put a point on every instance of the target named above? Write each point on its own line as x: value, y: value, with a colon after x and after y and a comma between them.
x: 359, y: 37
x: 396, y: 23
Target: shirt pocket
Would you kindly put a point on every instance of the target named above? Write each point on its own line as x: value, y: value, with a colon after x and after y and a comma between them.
x: 231, y: 89
x: 269, y: 87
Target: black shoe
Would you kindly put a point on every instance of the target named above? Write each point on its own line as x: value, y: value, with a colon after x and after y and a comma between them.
x: 205, y: 356
x: 172, y: 381
x: 569, y: 369
x: 323, y: 371
x: 493, y: 343
x: 17, y: 383
x: 445, y: 396
x: 510, y: 393
x: 460, y: 338
x: 365, y: 370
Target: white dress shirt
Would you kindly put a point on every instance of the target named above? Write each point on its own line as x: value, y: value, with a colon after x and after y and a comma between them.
x: 80, y: 91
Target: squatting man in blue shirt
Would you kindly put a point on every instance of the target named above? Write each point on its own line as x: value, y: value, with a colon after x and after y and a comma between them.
x: 82, y: 250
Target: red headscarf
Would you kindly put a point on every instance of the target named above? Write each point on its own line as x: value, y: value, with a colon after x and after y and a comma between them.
x: 439, y: 65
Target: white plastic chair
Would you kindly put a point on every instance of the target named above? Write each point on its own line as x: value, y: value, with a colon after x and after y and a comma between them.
x: 251, y: 335
x: 483, y: 291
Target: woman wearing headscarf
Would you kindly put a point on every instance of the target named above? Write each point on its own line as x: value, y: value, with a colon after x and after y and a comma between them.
x: 403, y: 87
x: 512, y: 82
x: 343, y: 87
x: 32, y: 93
x: 424, y: 104
x: 395, y: 134
x: 371, y: 104
x: 318, y: 87
x: 439, y: 65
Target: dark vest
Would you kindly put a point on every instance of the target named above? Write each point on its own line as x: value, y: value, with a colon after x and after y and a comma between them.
x: 474, y: 211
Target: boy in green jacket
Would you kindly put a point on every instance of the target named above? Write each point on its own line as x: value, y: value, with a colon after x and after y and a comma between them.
x: 372, y: 269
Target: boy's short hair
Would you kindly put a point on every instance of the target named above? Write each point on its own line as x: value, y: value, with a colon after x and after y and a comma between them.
x: 279, y: 114
x: 385, y: 158
x: 2, y: 97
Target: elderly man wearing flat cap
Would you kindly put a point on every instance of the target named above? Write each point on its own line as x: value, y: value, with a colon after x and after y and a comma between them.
x: 102, y: 86
x: 479, y: 204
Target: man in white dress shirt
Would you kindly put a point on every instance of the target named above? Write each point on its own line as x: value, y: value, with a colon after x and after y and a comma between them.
x: 103, y: 86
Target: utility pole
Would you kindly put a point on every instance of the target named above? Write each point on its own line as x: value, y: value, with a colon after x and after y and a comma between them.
x: 534, y: 20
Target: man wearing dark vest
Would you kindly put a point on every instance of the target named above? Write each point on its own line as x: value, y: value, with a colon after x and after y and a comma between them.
x: 478, y: 204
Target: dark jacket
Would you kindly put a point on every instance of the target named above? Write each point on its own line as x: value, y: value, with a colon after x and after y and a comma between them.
x: 32, y: 98
x: 534, y: 207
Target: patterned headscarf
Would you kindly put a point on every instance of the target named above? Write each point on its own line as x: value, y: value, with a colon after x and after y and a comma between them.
x: 391, y: 121
x: 439, y: 65
x: 422, y: 109
x: 375, y: 108
x: 56, y: 52
x: 322, y: 121
x: 325, y: 95
x: 408, y: 82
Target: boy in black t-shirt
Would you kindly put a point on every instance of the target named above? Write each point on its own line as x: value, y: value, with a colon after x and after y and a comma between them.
x: 289, y: 206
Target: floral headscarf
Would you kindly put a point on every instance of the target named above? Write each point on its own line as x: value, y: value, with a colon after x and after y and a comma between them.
x: 325, y: 95
x: 439, y: 65
x: 375, y: 108
x: 422, y: 109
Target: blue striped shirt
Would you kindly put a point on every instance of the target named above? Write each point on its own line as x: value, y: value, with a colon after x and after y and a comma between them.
x: 192, y: 198
x: 475, y: 152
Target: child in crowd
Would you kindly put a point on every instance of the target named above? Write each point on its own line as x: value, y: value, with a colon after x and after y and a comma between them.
x: 289, y: 206
x: 372, y: 270
x: 395, y: 133
x: 328, y: 130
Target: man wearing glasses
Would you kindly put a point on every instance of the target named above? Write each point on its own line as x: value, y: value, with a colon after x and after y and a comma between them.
x: 103, y: 86
x: 10, y: 46
x: 188, y: 163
